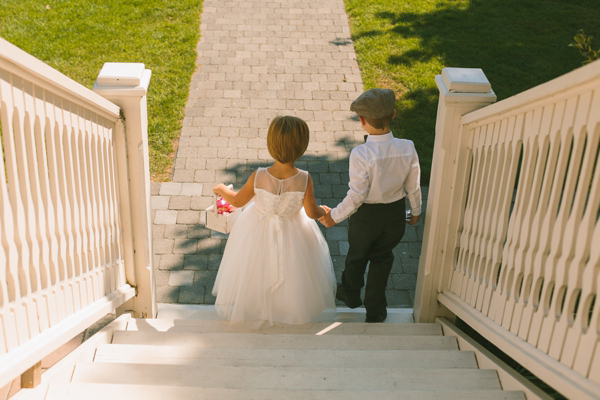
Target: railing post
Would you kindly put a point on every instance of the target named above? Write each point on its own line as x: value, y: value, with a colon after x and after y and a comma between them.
x: 462, y: 90
x: 126, y: 85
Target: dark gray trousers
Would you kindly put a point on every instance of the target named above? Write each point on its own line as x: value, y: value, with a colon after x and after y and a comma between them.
x: 373, y: 232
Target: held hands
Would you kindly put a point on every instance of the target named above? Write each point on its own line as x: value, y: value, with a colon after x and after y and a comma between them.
x: 326, y: 219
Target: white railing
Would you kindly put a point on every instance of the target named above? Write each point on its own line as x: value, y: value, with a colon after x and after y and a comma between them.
x: 519, y: 258
x: 66, y: 224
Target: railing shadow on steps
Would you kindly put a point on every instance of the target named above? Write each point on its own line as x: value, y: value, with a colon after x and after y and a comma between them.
x: 75, y: 239
x: 510, y: 244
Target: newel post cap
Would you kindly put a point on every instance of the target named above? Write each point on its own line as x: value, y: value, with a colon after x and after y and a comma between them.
x: 116, y: 77
x: 465, y: 85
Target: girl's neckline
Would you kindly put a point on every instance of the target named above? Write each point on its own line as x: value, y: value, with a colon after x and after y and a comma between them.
x: 282, y: 179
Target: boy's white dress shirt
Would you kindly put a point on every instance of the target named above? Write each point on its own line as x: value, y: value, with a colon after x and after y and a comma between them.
x: 382, y: 170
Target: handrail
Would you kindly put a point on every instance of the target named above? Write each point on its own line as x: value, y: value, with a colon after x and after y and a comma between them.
x: 66, y: 225
x: 17, y: 61
x: 512, y: 243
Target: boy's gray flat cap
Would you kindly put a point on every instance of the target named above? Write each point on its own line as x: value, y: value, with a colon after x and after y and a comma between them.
x: 374, y: 103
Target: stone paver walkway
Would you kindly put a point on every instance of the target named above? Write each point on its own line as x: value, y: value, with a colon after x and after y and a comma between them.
x: 257, y: 60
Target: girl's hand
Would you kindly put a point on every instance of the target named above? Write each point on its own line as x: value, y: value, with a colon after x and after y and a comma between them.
x: 219, y: 189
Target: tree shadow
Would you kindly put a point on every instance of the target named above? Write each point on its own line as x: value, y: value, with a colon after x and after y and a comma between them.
x: 517, y: 43
x: 200, y: 249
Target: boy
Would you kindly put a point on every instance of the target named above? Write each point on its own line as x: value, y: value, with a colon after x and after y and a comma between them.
x: 382, y: 172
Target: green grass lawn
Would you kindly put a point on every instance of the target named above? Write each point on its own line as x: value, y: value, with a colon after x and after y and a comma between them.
x: 78, y: 36
x: 400, y: 44
x: 403, y: 44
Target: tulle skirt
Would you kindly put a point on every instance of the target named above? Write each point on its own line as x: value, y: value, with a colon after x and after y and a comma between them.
x: 274, y: 269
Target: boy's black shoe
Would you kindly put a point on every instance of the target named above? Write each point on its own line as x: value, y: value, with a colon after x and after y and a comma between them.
x: 341, y: 295
x: 377, y: 317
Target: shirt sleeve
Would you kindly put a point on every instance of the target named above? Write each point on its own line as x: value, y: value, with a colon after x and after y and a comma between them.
x: 412, y: 185
x: 358, y: 189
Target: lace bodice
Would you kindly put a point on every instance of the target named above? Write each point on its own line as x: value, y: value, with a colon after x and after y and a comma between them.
x: 282, y: 197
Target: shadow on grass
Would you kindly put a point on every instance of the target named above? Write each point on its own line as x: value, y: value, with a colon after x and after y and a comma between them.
x: 517, y: 43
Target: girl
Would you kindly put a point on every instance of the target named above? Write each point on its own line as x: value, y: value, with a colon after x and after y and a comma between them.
x: 276, y: 267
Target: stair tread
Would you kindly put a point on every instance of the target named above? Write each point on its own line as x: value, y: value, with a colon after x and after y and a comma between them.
x: 94, y: 391
x: 316, y: 378
x: 188, y: 355
x: 335, y: 328
x: 342, y: 314
x: 263, y: 340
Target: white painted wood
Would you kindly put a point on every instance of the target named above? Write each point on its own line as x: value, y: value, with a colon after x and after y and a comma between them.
x: 449, y: 151
x: 562, y: 378
x: 514, y: 239
x: 468, y: 80
x: 571, y: 81
x: 20, y: 359
x: 16, y: 60
x: 61, y: 372
x: 94, y: 391
x: 336, y: 328
x: 121, y: 74
x: 286, y: 341
x: 347, y: 358
x: 61, y: 257
x: 340, y: 314
x: 509, y: 378
x: 360, y: 379
x: 132, y: 100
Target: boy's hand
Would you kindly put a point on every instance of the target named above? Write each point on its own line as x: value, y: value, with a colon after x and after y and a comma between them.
x: 326, y: 219
x: 413, y: 220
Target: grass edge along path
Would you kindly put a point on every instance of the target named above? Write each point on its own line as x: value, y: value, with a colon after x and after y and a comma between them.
x: 77, y: 37
x: 518, y: 44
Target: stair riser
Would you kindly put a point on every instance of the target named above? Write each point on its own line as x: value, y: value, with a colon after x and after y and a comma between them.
x: 200, y: 326
x: 288, y: 378
x: 180, y: 355
x: 78, y: 391
x: 291, y: 341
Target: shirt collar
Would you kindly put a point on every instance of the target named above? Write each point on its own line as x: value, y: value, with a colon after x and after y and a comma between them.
x: 380, y: 138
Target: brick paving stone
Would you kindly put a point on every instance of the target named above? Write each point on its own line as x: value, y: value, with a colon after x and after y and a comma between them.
x: 163, y: 246
x: 175, y: 231
x: 188, y: 217
x: 158, y: 231
x: 181, y: 278
x: 302, y: 62
x: 170, y: 189
x: 191, y: 189
x: 404, y: 281
x: 192, y: 294
x: 167, y: 294
x: 179, y: 203
x: 160, y: 202
x: 185, y: 246
x: 165, y: 217
x: 171, y: 261
x: 196, y: 262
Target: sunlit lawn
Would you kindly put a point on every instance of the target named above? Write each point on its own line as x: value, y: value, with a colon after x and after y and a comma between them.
x: 78, y: 36
x: 400, y: 44
x: 403, y: 44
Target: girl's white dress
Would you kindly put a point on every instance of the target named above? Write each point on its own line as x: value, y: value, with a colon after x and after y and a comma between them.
x: 276, y: 267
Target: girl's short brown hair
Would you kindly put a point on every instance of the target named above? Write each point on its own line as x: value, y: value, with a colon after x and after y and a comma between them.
x: 287, y: 138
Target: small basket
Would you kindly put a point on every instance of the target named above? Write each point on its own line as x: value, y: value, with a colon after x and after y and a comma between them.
x: 221, y: 222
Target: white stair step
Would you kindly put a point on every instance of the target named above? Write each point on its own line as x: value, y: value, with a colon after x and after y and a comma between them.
x: 286, y: 341
x: 335, y: 328
x: 187, y: 355
x: 342, y: 314
x: 94, y: 391
x: 314, y: 378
